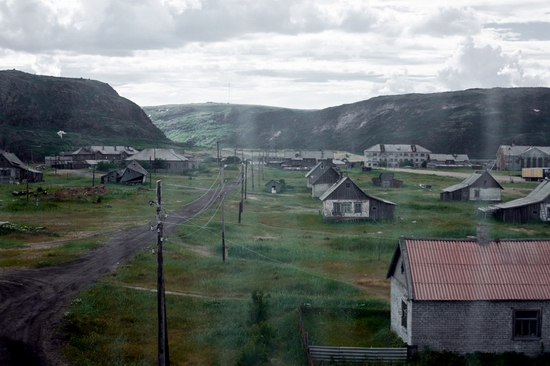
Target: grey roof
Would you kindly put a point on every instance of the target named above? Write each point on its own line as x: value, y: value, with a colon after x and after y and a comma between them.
x: 543, y: 149
x: 134, y: 165
x: 162, y: 154
x: 444, y: 157
x: 14, y: 160
x: 395, y: 148
x: 110, y: 150
x: 513, y: 150
x: 325, y: 172
x: 537, y: 195
x: 469, y: 181
x: 313, y: 169
x: 345, y: 179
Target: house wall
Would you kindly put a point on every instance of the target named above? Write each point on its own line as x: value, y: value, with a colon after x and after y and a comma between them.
x: 317, y: 190
x: 485, y: 194
x: 398, y: 295
x: 519, y: 215
x: 328, y: 209
x: 471, y: 326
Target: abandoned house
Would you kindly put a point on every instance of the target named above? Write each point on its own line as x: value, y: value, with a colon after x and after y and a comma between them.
x: 323, y: 182
x: 448, y: 161
x: 132, y: 174
x: 89, y: 155
x: 479, y: 186
x: 346, y: 201
x: 468, y: 295
x: 305, y: 159
x: 13, y: 170
x: 386, y: 180
x: 534, y: 207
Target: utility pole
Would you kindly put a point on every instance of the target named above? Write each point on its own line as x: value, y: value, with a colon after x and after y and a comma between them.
x: 163, y: 359
x: 252, y: 168
x: 245, y: 177
x: 224, y: 248
x: 93, y: 175
x: 242, y: 193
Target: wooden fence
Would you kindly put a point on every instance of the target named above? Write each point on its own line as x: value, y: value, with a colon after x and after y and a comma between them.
x: 317, y: 355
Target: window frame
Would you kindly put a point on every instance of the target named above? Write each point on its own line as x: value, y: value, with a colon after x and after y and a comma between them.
x: 404, y: 314
x: 525, y: 319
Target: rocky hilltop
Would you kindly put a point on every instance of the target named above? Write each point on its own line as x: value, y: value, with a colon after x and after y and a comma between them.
x: 474, y: 122
x: 33, y: 108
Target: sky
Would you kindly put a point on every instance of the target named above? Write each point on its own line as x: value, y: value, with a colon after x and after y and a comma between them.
x: 305, y: 54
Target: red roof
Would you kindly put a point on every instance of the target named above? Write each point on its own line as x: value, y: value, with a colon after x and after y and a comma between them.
x: 450, y: 269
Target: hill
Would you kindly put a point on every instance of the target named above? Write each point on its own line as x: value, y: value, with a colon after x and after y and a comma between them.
x: 33, y: 108
x: 474, y: 122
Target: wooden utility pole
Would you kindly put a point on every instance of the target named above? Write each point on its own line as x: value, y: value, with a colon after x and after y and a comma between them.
x: 224, y: 248
x: 245, y: 177
x: 163, y: 359
x: 242, y: 193
x: 252, y: 168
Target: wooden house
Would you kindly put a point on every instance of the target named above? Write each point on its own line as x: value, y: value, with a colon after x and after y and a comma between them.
x: 13, y: 170
x: 534, y: 207
x: 386, y: 180
x: 167, y: 160
x: 323, y: 182
x: 468, y: 295
x: 305, y: 159
x: 316, y: 171
x: 132, y: 174
x: 346, y: 201
x: 448, y: 161
x: 479, y: 186
x: 273, y: 186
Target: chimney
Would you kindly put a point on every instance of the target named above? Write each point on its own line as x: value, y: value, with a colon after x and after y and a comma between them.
x: 482, y: 235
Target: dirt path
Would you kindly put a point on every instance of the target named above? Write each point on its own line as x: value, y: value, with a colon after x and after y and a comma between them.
x: 32, y: 301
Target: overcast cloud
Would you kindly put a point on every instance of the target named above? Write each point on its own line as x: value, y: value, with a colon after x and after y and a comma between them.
x: 305, y: 54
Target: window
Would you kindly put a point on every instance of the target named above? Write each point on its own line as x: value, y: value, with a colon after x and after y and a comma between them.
x: 476, y: 193
x: 526, y: 323
x: 358, y: 207
x: 336, y: 207
x: 404, y: 314
x: 345, y: 207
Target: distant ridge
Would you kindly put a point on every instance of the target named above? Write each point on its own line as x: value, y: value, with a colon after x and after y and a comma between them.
x: 473, y: 122
x: 34, y: 108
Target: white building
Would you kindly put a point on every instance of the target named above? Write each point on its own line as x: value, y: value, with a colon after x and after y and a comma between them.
x: 392, y: 155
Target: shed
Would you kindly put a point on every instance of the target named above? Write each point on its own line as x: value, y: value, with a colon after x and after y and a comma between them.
x: 132, y: 174
x: 479, y: 186
x: 468, y: 295
x: 273, y: 186
x: 13, y: 170
x: 323, y: 182
x: 534, y: 207
x: 346, y: 201
x: 386, y: 180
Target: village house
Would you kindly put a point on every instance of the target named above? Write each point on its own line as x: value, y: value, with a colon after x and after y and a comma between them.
x: 346, y: 201
x: 468, y: 295
x: 13, y: 170
x: 448, y: 161
x: 512, y: 157
x: 479, y: 186
x: 167, y: 160
x: 89, y: 155
x: 316, y: 171
x: 386, y: 155
x: 534, y: 207
x: 273, y: 186
x: 132, y: 174
x: 386, y: 180
x: 304, y: 159
x: 323, y: 182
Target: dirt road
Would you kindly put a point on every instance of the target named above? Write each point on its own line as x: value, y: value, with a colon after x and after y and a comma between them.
x: 499, y: 178
x: 32, y: 301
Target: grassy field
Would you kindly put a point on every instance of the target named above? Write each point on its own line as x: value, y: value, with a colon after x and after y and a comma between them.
x: 281, y: 247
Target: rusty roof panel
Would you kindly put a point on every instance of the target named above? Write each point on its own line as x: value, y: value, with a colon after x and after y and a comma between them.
x: 448, y: 269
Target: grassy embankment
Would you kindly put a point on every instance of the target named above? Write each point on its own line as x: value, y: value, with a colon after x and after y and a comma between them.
x: 282, y: 247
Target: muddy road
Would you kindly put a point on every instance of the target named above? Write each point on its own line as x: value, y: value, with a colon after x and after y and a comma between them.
x: 32, y: 301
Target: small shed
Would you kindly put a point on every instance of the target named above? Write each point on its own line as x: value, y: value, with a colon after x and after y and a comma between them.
x: 386, y: 180
x: 132, y: 174
x: 479, y: 186
x: 346, y: 201
x: 471, y: 295
x: 273, y: 186
x: 323, y: 182
x: 13, y: 170
x: 534, y: 207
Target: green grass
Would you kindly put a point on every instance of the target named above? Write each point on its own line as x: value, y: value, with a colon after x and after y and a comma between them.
x: 282, y: 247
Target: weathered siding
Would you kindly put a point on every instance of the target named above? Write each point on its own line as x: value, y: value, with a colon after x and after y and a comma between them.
x: 470, y: 326
x: 329, y: 212
x: 399, y: 295
x: 519, y: 215
x: 318, y: 189
x: 485, y: 194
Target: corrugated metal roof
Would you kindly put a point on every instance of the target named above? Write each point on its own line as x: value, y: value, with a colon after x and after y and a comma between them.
x: 537, y: 195
x: 450, y: 269
x: 393, y: 148
x: 470, y: 181
x: 455, y: 157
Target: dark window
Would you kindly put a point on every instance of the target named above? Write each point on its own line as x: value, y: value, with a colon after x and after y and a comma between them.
x: 345, y: 206
x: 476, y: 193
x: 527, y: 323
x: 404, y: 314
x: 348, y: 185
x: 357, y: 207
x: 374, y: 208
x: 336, y: 207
